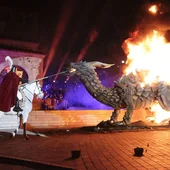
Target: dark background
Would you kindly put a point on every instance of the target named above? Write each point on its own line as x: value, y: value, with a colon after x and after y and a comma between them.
x: 73, y: 24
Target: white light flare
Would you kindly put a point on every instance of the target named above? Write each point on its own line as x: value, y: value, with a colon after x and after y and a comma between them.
x: 153, y: 9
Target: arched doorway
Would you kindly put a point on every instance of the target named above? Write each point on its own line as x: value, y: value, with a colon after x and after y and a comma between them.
x: 20, y: 72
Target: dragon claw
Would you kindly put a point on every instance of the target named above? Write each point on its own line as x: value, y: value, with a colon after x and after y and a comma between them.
x: 118, y: 123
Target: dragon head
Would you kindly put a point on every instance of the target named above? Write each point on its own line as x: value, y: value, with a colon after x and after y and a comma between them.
x: 80, y: 66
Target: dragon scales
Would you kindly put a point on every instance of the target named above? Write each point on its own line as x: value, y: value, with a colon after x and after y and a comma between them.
x: 127, y: 92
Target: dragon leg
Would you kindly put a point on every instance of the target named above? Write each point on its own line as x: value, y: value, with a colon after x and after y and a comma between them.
x: 128, y: 115
x: 129, y: 110
x: 114, y: 115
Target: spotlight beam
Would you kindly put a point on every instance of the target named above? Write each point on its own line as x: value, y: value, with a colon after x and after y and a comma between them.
x: 60, y: 28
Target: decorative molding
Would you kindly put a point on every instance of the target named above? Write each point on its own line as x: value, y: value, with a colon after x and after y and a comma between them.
x: 32, y: 63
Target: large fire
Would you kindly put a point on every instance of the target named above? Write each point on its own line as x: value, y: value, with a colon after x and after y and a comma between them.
x: 149, y: 56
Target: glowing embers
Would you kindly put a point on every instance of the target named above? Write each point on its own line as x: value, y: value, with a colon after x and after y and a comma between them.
x: 72, y: 70
x: 153, y: 9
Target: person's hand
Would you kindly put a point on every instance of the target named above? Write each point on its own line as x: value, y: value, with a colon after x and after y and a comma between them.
x: 29, y: 82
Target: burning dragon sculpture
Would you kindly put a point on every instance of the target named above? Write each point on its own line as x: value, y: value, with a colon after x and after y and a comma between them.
x: 127, y: 92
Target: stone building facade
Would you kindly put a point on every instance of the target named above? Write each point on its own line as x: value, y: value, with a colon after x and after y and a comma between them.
x: 29, y: 62
x: 20, y: 35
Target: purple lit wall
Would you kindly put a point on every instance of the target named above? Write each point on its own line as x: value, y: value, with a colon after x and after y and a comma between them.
x: 77, y: 97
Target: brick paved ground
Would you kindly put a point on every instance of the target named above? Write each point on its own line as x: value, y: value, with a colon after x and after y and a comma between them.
x: 112, y: 151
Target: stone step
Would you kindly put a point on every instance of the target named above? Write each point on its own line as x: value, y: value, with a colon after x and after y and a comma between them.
x: 9, y: 121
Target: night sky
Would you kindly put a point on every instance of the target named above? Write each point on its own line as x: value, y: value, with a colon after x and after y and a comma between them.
x: 112, y: 21
x: 104, y: 25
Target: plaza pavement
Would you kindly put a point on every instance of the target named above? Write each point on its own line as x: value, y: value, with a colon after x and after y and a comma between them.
x: 99, y: 150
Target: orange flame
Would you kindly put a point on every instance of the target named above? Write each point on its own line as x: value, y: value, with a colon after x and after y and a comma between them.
x: 149, y: 57
x: 160, y: 115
